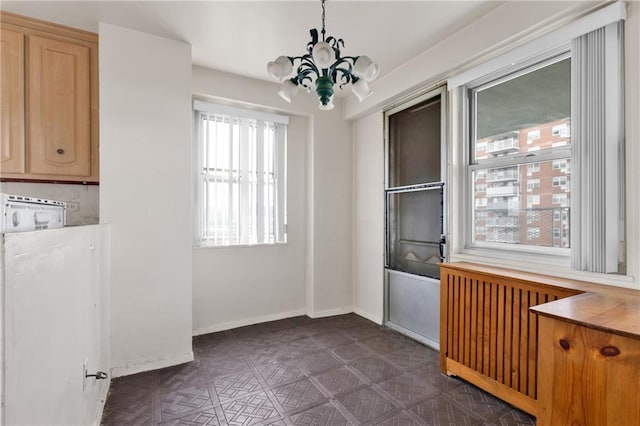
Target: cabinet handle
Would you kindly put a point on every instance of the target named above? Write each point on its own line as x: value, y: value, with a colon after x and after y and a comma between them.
x: 60, y: 151
x: 564, y: 344
x: 610, y: 351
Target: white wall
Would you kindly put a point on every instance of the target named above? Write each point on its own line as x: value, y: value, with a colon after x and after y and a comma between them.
x: 82, y: 200
x: 368, y: 217
x: 489, y: 36
x: 56, y: 317
x: 145, y: 194
x: 312, y: 273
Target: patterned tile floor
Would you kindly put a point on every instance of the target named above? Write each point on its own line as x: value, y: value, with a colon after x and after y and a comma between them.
x: 341, y: 370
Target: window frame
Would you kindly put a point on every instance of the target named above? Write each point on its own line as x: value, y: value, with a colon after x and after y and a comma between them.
x: 516, y: 252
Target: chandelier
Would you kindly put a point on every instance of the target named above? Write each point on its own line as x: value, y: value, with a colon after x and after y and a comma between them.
x: 323, y: 67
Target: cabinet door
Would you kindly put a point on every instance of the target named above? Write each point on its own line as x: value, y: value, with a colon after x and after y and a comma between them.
x: 587, y: 377
x: 59, y: 128
x: 12, y: 152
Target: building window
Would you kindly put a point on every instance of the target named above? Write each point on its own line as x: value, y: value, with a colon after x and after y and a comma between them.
x: 559, y: 181
x: 559, y: 199
x: 241, y: 176
x: 533, y: 135
x: 533, y: 233
x: 533, y: 168
x: 533, y: 184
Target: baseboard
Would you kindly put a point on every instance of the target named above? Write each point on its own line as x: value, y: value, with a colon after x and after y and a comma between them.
x: 139, y: 367
x: 248, y: 321
x: 371, y: 317
x: 101, y: 403
x: 331, y: 312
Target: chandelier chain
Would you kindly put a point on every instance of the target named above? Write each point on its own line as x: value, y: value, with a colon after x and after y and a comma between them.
x: 323, y: 15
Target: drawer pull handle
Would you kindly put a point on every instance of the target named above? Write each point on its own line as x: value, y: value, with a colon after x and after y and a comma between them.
x: 564, y: 344
x: 610, y: 351
x: 60, y: 151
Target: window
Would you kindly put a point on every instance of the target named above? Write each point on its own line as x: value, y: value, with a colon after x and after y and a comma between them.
x: 241, y: 176
x: 561, y: 130
x: 559, y: 181
x: 569, y: 86
x: 481, y: 187
x: 533, y: 216
x: 560, y: 199
x: 502, y: 108
x: 533, y: 233
x: 533, y: 135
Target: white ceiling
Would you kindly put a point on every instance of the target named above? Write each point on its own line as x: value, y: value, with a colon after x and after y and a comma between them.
x: 241, y: 37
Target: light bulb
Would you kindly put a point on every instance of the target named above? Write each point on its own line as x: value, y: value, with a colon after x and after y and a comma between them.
x: 365, y: 68
x: 361, y: 89
x: 323, y: 54
x: 288, y: 90
x: 281, y: 68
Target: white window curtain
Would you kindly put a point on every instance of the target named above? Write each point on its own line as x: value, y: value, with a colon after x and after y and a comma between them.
x: 241, y: 181
x: 597, y: 175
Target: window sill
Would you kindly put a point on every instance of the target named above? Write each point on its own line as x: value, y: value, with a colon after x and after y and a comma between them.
x: 198, y: 246
x: 557, y: 268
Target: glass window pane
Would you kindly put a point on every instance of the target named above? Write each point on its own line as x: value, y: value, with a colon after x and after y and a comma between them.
x: 523, y: 204
x: 415, y: 224
x: 414, y: 144
x: 524, y: 114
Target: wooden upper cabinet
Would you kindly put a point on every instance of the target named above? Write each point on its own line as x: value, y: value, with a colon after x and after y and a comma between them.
x: 59, y: 130
x: 12, y: 151
x: 49, y: 101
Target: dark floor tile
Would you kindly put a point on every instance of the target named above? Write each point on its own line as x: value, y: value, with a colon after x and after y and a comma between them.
x: 375, y: 368
x: 134, y: 411
x: 321, y: 415
x: 298, y: 395
x: 268, y: 354
x: 364, y: 332
x: 351, y: 352
x: 209, y: 417
x: 430, y: 372
x: 279, y: 373
x: 514, y: 417
x: 319, y: 361
x: 440, y: 411
x: 339, y: 381
x: 402, y: 418
x: 476, y: 401
x: 180, y: 402
x: 301, y: 347
x: 383, y: 344
x: 250, y: 410
x: 193, y: 373
x: 366, y: 404
x: 332, y: 340
x: 236, y: 385
x: 413, y: 357
x: 409, y: 389
x: 223, y: 366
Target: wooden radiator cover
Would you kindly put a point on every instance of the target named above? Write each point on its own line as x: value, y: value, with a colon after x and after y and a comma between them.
x: 488, y: 336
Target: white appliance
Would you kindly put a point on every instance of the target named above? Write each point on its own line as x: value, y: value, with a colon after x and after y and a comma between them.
x: 20, y: 213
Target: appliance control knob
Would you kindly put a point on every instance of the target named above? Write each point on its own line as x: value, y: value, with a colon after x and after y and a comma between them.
x: 15, y: 218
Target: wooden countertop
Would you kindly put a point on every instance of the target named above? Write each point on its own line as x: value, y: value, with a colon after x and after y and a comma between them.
x: 608, y: 308
x: 613, y: 314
